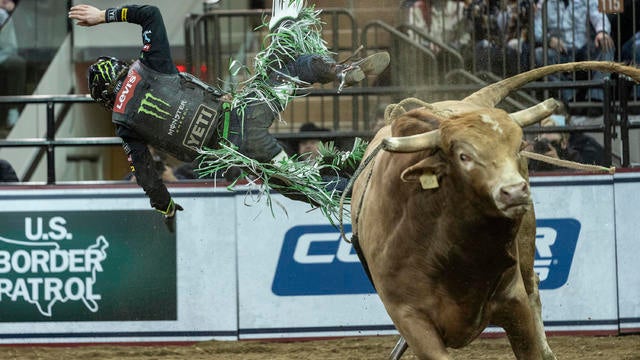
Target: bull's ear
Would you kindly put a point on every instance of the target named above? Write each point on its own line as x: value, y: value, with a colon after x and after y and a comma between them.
x: 426, y: 171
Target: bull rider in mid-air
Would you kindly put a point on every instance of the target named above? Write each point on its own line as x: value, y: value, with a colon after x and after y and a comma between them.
x: 153, y: 104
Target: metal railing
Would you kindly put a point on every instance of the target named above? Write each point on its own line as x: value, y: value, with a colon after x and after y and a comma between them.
x: 615, y: 117
x: 49, y: 142
x: 415, y: 67
x: 213, y: 39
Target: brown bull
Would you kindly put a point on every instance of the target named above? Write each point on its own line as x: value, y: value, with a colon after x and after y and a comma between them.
x: 445, y: 223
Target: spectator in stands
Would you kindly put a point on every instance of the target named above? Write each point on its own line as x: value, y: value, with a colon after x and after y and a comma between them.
x: 573, y: 146
x: 496, y: 36
x: 7, y: 173
x: 514, y: 23
x: 13, y: 68
x: 440, y: 19
x: 185, y: 171
x: 196, y: 117
x: 625, y: 29
x: 574, y: 31
x: 588, y: 148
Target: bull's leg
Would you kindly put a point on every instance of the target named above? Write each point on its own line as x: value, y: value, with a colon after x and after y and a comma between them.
x: 536, y: 309
x: 526, y: 249
x: 514, y: 314
x: 518, y: 321
x: 420, y: 333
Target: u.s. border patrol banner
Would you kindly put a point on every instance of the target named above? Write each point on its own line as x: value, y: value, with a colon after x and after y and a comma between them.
x: 77, y: 266
x: 87, y: 265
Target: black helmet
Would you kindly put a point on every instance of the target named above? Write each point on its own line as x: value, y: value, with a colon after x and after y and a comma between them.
x: 105, y: 78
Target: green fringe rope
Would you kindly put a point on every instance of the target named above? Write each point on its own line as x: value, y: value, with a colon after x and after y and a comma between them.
x: 301, y: 177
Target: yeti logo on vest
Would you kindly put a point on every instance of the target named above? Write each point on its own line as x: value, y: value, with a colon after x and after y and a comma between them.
x: 200, y: 127
x: 126, y: 92
x: 152, y: 105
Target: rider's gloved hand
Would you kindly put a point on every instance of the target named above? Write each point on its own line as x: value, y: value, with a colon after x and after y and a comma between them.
x: 170, y: 215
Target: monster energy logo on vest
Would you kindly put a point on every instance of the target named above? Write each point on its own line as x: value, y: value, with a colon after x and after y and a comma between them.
x: 152, y: 105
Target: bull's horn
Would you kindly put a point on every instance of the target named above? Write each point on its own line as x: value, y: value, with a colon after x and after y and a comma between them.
x: 412, y: 143
x: 535, y: 113
x: 491, y: 95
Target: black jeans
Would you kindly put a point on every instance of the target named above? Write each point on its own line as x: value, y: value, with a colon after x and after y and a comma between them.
x: 249, y: 125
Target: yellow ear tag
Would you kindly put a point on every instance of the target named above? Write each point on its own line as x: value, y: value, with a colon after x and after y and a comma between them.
x: 429, y: 181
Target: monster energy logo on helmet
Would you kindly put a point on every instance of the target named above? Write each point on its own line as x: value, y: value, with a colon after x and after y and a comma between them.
x: 152, y: 105
x: 106, y: 69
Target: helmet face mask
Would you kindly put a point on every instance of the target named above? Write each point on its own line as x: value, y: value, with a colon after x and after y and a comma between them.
x: 103, y: 77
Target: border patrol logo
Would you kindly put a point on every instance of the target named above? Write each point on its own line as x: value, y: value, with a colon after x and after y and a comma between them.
x: 44, y: 270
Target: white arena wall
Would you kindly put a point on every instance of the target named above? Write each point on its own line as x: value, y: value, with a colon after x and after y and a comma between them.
x: 93, y: 264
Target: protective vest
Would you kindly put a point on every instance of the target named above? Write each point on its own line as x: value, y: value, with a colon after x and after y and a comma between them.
x: 175, y: 113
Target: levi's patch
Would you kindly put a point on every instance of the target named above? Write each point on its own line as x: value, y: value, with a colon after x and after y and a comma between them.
x: 126, y: 91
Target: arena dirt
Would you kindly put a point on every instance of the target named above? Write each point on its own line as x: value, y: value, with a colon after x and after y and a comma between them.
x: 565, y: 347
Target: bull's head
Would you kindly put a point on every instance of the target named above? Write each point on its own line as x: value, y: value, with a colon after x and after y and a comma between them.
x: 480, y: 143
x: 479, y: 149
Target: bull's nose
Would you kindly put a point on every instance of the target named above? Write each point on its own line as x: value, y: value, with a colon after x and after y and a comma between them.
x: 514, y: 194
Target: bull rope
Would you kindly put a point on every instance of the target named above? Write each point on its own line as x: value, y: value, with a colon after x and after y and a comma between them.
x: 393, y: 110
x: 347, y: 190
x: 567, y: 163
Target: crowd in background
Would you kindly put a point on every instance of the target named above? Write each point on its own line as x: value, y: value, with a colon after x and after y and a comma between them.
x: 506, y: 37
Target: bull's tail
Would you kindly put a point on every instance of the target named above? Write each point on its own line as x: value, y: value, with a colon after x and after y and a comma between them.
x: 492, y: 94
